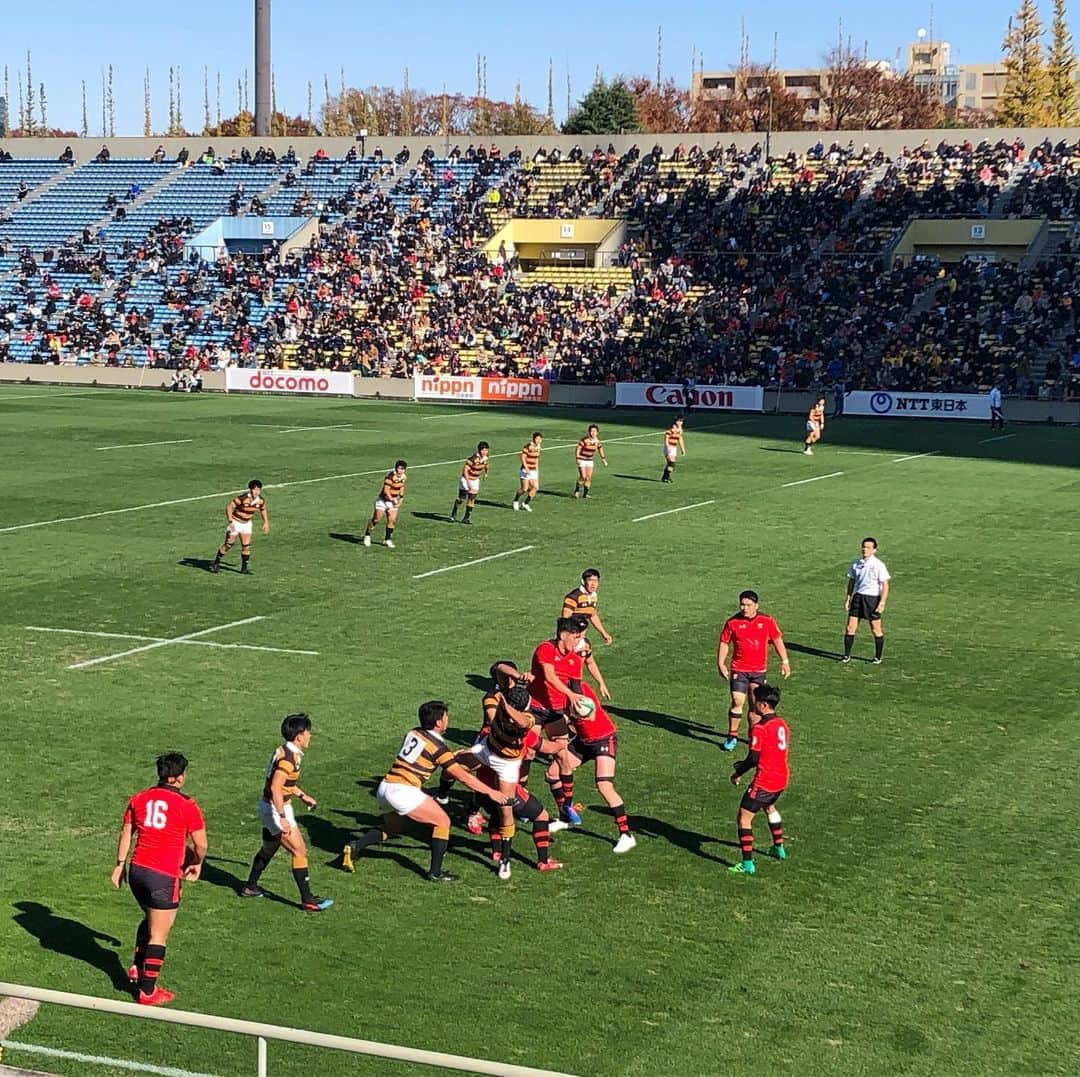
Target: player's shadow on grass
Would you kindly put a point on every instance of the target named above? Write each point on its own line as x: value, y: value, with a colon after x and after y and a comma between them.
x: 774, y: 448
x: 690, y: 840
x: 493, y: 504
x: 637, y: 478
x: 216, y: 876
x: 343, y: 536
x: 817, y: 652
x: 680, y: 726
x: 70, y: 938
x: 554, y: 493
x: 440, y: 517
x: 204, y: 564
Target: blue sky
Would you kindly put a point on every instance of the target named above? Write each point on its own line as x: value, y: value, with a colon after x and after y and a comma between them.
x: 439, y: 43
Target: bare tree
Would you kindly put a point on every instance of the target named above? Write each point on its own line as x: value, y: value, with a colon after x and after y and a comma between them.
x: 147, y: 120
x: 84, y: 131
x: 111, y: 105
x: 206, y: 98
x: 43, y: 109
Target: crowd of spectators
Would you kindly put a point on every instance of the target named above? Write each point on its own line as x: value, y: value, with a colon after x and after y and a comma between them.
x: 737, y: 269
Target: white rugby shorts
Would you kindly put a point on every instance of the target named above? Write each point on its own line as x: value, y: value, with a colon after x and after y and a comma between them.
x: 239, y: 527
x: 469, y: 486
x: 399, y: 798
x: 529, y: 474
x: 271, y: 819
x: 585, y: 465
x: 385, y: 506
x: 506, y: 770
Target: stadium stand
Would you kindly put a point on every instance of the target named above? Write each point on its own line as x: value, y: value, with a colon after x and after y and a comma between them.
x: 734, y: 268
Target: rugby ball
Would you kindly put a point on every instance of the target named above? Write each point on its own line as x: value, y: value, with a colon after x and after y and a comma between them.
x: 585, y: 707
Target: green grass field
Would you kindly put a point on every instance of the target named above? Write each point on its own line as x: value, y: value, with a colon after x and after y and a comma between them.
x: 924, y: 923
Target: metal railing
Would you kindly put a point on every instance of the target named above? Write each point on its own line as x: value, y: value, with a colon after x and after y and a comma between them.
x: 262, y: 1033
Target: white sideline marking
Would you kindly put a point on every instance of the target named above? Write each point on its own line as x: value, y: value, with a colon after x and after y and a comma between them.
x: 323, y: 478
x: 458, y: 415
x: 101, y: 1060
x: 303, y: 429
x: 164, y: 643
x: 816, y: 478
x: 916, y: 456
x: 160, y: 639
x: 1000, y: 437
x: 478, y: 561
x: 145, y: 444
x: 668, y: 512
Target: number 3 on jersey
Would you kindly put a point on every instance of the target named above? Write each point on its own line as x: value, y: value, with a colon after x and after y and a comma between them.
x: 411, y: 748
x: 156, y: 815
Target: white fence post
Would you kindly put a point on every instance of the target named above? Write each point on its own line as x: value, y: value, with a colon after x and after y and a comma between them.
x: 262, y: 1057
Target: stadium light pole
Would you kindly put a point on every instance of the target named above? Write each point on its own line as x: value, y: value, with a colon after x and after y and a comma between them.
x: 262, y: 68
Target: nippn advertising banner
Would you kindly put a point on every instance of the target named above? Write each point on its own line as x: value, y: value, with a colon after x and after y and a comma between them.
x: 319, y: 382
x: 644, y: 394
x: 918, y: 405
x: 492, y: 390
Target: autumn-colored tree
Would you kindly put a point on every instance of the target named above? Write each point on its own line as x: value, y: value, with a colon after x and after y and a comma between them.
x: 760, y: 102
x: 1023, y: 98
x: 864, y: 96
x: 663, y: 108
x: 1062, y: 107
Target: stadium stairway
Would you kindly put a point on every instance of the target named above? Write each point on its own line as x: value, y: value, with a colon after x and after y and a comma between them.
x: 1005, y: 196
x: 40, y: 177
x: 152, y: 191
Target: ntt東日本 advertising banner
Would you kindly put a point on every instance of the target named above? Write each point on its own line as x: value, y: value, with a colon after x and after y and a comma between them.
x: 318, y: 382
x: 644, y: 394
x: 492, y: 390
x: 917, y: 405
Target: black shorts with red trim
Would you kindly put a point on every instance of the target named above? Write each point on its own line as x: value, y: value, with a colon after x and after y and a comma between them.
x: 589, y: 750
x: 154, y: 889
x: 743, y: 681
x: 756, y: 799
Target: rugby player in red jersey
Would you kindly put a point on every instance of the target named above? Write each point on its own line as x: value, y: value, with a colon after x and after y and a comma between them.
x: 747, y: 635
x: 161, y: 819
x: 770, y: 738
x: 556, y: 691
x: 595, y: 741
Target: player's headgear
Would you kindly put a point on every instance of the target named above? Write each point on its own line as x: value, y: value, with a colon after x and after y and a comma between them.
x: 752, y: 595
x: 589, y: 573
x: 517, y: 697
x: 255, y: 483
x: 294, y: 724
x: 431, y: 712
x: 170, y: 765
x: 768, y: 694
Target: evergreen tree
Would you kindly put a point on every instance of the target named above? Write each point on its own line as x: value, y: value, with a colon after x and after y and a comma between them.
x: 1023, y: 99
x: 1061, y: 105
x: 609, y: 108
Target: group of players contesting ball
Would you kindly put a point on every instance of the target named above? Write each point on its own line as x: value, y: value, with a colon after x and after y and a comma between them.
x: 548, y: 712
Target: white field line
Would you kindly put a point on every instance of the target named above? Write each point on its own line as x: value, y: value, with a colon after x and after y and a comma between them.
x: 1000, y: 437
x: 145, y: 444
x: 668, y: 512
x: 304, y: 429
x: 467, y: 564
x: 101, y: 1060
x: 916, y: 456
x: 857, y: 452
x: 164, y: 643
x: 322, y: 478
x: 816, y: 478
x: 456, y: 415
x: 160, y: 639
x: 38, y: 396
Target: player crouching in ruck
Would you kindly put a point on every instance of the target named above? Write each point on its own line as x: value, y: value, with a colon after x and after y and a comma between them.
x: 768, y: 758
x: 387, y: 503
x: 238, y: 514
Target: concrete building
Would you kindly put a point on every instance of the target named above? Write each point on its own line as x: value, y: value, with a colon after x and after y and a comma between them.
x: 808, y: 84
x: 980, y: 85
x: 929, y: 64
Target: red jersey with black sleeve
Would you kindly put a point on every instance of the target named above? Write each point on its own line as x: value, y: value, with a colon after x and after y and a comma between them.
x: 161, y: 818
x: 769, y: 741
x: 567, y: 666
x: 598, y: 725
x: 750, y: 638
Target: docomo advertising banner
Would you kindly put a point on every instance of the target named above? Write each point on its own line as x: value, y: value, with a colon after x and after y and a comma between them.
x: 317, y: 382
x: 491, y: 390
x: 918, y: 405
x: 644, y: 394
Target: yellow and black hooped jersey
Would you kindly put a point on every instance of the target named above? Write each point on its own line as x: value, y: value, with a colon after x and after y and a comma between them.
x: 530, y: 456
x: 816, y: 415
x: 474, y: 467
x: 673, y: 435
x: 580, y: 602
x: 587, y: 447
x: 245, y: 505
x: 505, y: 737
x: 286, y: 758
x: 422, y: 753
x: 393, y: 487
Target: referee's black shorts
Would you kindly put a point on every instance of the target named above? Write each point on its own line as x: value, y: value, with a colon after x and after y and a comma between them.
x: 864, y: 607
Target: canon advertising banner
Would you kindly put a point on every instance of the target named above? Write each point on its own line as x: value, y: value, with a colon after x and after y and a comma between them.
x: 917, y: 405
x: 289, y: 382
x: 644, y: 394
